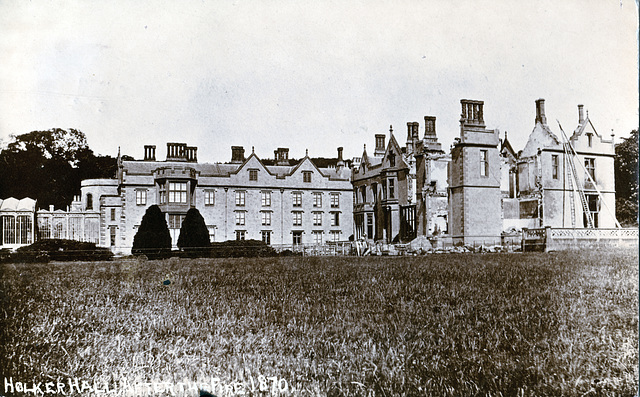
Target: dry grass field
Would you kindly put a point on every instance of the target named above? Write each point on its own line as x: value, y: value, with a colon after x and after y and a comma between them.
x: 439, y: 325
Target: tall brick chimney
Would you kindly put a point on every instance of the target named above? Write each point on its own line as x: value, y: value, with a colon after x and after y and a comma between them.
x: 281, y: 156
x: 540, y: 115
x: 237, y: 154
x: 380, y: 145
x: 580, y: 114
x: 472, y: 112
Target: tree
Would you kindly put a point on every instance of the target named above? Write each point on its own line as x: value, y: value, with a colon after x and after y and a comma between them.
x: 194, y: 235
x: 153, y: 238
x: 626, y: 176
x: 49, y: 166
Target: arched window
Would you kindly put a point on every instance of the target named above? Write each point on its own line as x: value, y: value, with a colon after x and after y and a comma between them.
x: 89, y: 201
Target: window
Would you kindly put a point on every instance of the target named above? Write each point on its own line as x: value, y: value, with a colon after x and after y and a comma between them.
x: 335, y: 235
x: 306, y: 176
x: 162, y: 193
x: 590, y: 139
x: 484, y: 163
x: 297, y: 218
x: 240, y: 195
x: 392, y: 188
x: 266, y: 199
x: 266, y: 218
x: 253, y: 175
x: 113, y: 214
x: 141, y: 197
x: 112, y: 236
x: 335, y: 200
x: 24, y: 229
x: 317, y: 219
x: 266, y: 236
x: 317, y: 200
x: 175, y: 221
x: 178, y: 192
x: 335, y: 219
x: 355, y: 195
x: 209, y: 197
x: 317, y: 237
x: 89, y: 201
x: 8, y: 226
x: 392, y: 159
x: 297, y: 199
x: 297, y: 238
x: 374, y: 190
x: 590, y: 165
x: 240, y: 235
x: 212, y: 233
x: 594, y: 208
x: 369, y: 225
x: 554, y: 166
x: 240, y: 216
x: 363, y: 193
x: 384, y: 190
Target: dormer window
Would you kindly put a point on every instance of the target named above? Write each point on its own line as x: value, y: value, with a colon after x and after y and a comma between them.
x: 253, y: 175
x: 590, y: 139
x: 392, y: 159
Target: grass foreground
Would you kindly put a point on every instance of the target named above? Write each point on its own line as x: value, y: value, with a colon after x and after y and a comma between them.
x: 440, y: 325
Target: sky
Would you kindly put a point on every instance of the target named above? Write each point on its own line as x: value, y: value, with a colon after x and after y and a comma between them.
x: 310, y: 75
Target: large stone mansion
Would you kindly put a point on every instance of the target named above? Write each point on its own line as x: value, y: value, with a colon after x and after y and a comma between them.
x: 478, y: 191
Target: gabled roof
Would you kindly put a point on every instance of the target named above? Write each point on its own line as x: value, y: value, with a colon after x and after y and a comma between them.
x: 505, y: 146
x: 393, y: 144
x: 541, y: 137
x: 583, y: 126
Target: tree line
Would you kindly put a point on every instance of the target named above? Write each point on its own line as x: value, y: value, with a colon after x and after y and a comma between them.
x: 49, y: 165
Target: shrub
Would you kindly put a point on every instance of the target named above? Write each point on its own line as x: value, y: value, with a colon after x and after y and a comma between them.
x: 153, y: 238
x: 194, y: 235
x: 241, y: 248
x: 61, y: 250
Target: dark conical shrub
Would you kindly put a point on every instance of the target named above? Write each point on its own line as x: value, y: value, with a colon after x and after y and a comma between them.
x: 153, y: 238
x: 194, y: 235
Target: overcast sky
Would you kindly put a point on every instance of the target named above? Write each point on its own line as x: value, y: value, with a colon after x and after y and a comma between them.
x: 314, y: 75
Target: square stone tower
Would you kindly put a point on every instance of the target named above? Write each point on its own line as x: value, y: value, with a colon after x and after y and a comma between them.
x: 475, y: 212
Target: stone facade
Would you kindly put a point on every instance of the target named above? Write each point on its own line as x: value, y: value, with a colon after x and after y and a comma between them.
x: 548, y: 188
x: 474, y: 180
x: 281, y: 202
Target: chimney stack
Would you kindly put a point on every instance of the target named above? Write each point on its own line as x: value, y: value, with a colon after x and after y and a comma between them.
x: 380, y: 146
x: 472, y: 112
x: 540, y: 115
x: 150, y: 152
x: 237, y: 154
x: 281, y: 156
x: 429, y: 126
x: 580, y: 114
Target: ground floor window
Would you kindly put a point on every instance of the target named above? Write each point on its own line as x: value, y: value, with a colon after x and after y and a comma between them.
x: 317, y: 237
x: 212, y: 233
x: 297, y: 238
x: 334, y: 235
x: 240, y: 235
x: 112, y: 236
x: 266, y: 236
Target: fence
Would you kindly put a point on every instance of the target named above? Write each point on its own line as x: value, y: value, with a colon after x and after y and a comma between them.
x: 553, y: 239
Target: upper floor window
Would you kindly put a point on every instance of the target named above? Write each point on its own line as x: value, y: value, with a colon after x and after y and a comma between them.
x: 306, y: 176
x: 240, y: 195
x: 240, y: 217
x: 266, y: 199
x: 297, y: 218
x: 113, y: 214
x: 554, y: 166
x: 392, y: 188
x: 335, y: 200
x: 266, y: 218
x: 89, y: 201
x: 317, y: 200
x: 141, y: 197
x: 317, y: 219
x: 253, y: 175
x: 335, y: 219
x: 384, y: 190
x: 392, y: 159
x: 363, y: 193
x: 374, y: 190
x: 484, y: 163
x: 162, y: 192
x: 209, y: 197
x: 590, y: 165
x: 297, y: 199
x: 590, y: 139
x: 178, y: 192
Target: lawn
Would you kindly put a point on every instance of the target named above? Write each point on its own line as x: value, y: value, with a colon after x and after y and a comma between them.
x: 438, y: 325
